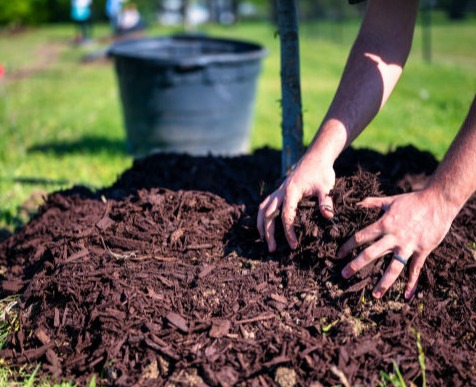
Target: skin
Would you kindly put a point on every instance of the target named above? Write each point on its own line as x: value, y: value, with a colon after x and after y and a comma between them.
x: 413, y: 224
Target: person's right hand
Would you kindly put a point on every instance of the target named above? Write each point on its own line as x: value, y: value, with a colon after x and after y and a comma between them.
x: 308, y: 178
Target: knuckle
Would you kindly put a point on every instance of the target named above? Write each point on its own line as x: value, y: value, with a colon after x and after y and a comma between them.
x: 268, y: 213
x: 268, y: 234
x: 353, y: 266
x: 287, y: 216
x: 415, y: 270
x: 265, y: 203
x: 414, y: 273
x: 394, y: 271
x: 367, y: 255
x: 285, y: 220
x: 384, y: 226
x: 269, y: 224
x: 285, y: 211
x: 359, y: 237
x: 288, y: 190
x: 385, y: 223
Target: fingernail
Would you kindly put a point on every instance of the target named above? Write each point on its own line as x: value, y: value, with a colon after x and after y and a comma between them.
x: 408, y: 294
x: 377, y: 294
x: 294, y: 245
x: 345, y: 273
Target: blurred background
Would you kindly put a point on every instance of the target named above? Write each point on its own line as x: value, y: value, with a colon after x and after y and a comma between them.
x: 60, y: 116
x: 18, y: 13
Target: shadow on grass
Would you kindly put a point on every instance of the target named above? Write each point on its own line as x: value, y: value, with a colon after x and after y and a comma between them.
x: 28, y: 180
x: 85, y: 145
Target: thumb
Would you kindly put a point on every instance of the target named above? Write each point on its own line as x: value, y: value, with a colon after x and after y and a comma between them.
x: 326, y: 205
x: 376, y: 202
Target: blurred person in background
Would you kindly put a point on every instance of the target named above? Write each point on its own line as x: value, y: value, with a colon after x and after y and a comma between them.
x: 129, y: 19
x: 81, y: 14
x: 113, y: 8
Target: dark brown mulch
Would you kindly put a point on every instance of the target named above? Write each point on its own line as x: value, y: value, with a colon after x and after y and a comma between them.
x: 161, y: 280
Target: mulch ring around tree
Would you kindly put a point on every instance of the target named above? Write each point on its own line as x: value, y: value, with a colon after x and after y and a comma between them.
x: 161, y: 279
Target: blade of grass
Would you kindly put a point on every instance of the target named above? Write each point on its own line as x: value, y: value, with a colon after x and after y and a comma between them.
x: 421, y: 357
x: 31, y: 379
x: 395, y: 378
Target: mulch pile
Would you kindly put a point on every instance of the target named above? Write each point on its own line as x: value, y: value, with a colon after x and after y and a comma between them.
x: 161, y: 279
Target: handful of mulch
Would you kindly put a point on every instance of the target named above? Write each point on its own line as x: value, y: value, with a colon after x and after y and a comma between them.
x: 320, y: 238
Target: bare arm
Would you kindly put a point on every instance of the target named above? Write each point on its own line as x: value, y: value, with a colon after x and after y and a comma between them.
x: 372, y: 70
x: 455, y: 178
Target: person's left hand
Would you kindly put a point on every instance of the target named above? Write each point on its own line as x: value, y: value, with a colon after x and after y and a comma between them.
x: 412, y: 226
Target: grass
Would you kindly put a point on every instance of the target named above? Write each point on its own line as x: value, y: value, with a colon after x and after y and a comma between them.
x: 61, y: 123
x: 421, y: 357
x: 394, y: 379
x: 26, y: 377
x: 8, y: 318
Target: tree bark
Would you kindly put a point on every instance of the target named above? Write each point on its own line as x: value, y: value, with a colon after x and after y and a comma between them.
x: 292, y: 126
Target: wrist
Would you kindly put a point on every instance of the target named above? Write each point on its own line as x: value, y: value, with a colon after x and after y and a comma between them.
x: 447, y: 200
x: 328, y: 143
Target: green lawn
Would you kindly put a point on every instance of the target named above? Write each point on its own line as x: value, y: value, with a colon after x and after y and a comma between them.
x: 61, y: 123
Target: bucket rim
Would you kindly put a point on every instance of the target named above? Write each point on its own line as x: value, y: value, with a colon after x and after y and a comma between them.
x: 125, y: 49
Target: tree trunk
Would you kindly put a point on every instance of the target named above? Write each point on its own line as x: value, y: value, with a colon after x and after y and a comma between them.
x: 292, y: 127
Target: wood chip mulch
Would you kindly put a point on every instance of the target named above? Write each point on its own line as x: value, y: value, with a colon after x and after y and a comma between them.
x: 161, y: 279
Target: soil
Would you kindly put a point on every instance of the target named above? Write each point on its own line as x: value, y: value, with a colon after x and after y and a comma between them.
x: 161, y: 279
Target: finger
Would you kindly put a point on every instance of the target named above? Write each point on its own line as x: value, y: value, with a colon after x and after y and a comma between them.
x: 391, y: 274
x: 260, y: 218
x: 326, y: 205
x: 376, y: 202
x: 269, y: 222
x: 415, y: 270
x: 290, y: 204
x: 371, y: 253
x: 367, y: 235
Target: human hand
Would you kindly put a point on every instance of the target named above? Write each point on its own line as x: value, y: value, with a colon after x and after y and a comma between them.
x: 412, y: 226
x: 309, y: 178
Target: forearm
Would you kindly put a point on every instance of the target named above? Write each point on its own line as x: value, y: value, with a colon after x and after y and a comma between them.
x: 373, y: 68
x: 455, y: 179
